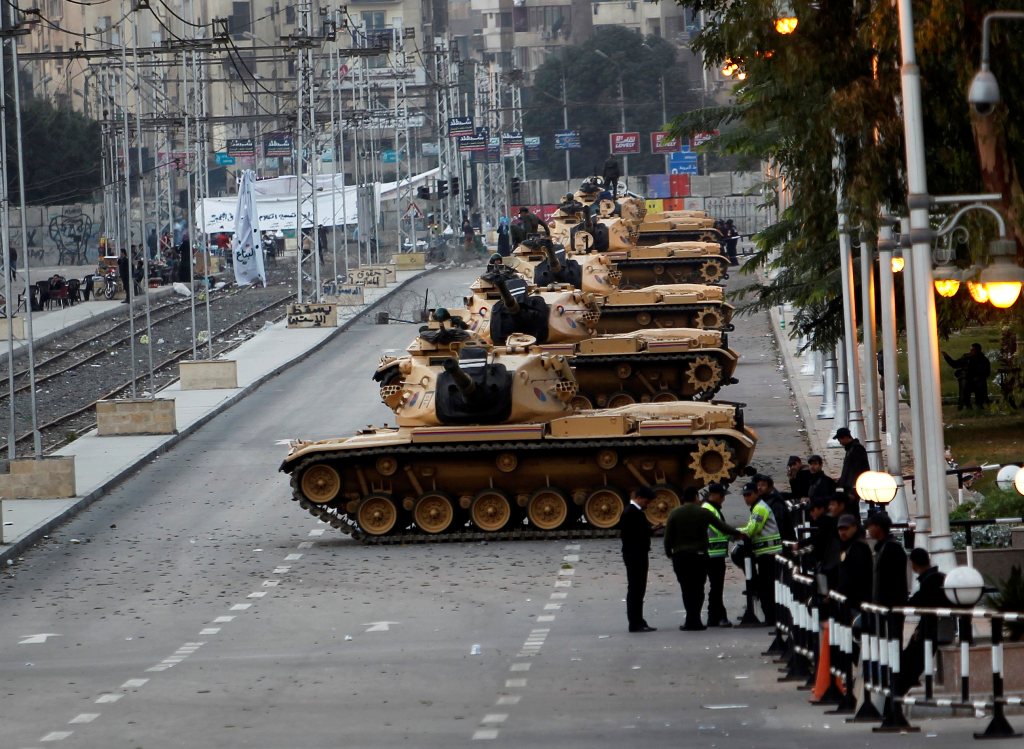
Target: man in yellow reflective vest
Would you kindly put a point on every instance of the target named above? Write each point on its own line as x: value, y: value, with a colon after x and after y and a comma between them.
x: 766, y: 542
x: 718, y: 550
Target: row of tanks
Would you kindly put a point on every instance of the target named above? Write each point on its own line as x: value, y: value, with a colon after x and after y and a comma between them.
x: 534, y: 409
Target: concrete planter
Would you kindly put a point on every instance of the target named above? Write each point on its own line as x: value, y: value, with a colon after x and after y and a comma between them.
x: 47, y: 478
x: 980, y: 661
x: 209, y: 374
x: 135, y: 416
x: 17, y: 325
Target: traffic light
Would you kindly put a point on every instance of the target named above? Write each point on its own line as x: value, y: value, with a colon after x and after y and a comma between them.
x: 423, y: 192
x: 455, y: 185
x: 442, y: 189
x: 469, y: 199
x: 515, y: 188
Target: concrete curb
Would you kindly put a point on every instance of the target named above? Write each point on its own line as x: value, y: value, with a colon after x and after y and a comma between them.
x: 792, y: 365
x: 36, y: 534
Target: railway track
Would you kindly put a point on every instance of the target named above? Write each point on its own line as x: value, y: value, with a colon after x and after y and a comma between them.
x: 77, y: 420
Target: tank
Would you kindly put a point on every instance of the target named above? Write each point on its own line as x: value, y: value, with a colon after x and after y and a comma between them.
x: 670, y: 263
x: 567, y: 476
x: 542, y: 261
x: 672, y: 306
x: 661, y: 227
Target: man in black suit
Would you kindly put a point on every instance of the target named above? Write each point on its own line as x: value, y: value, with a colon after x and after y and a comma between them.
x: 636, y: 549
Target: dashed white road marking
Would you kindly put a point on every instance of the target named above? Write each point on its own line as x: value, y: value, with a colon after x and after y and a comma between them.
x: 515, y: 683
x: 56, y: 735
x: 84, y: 718
x: 270, y: 583
x: 257, y: 594
x: 379, y: 626
x: 495, y: 718
x: 571, y: 558
x: 108, y: 698
x: 209, y: 631
x: 572, y: 547
x: 558, y: 596
x: 305, y: 545
x: 223, y: 619
x: 241, y: 607
x: 317, y: 532
x: 548, y: 618
x: 37, y: 639
x: 281, y: 570
x: 508, y: 699
x: 563, y: 583
x: 134, y: 683
x: 567, y: 573
x: 519, y: 667
x: 485, y: 734
x: 552, y: 606
x: 293, y: 557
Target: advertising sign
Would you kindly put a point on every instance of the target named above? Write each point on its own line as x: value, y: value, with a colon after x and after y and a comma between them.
x: 699, y: 139
x: 566, y: 140
x: 512, y: 143
x: 459, y: 126
x: 472, y: 143
x: 531, y: 144
x: 241, y: 147
x: 278, y: 144
x: 620, y: 144
x: 662, y: 143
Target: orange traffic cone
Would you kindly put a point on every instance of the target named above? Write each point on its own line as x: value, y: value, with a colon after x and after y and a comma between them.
x: 827, y: 690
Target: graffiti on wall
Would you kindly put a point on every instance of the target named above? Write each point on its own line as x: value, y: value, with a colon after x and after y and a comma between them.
x: 71, y: 231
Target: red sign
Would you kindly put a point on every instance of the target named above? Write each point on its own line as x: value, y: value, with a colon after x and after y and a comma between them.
x: 699, y: 139
x: 662, y: 143
x: 624, y: 143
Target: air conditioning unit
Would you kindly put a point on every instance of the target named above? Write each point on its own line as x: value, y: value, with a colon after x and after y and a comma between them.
x: 545, y: 34
x: 630, y: 4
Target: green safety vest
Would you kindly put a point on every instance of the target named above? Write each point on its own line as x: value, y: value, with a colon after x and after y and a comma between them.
x: 718, y: 542
x: 762, y: 530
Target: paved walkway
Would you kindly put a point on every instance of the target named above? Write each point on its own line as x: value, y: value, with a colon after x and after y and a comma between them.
x: 102, y: 462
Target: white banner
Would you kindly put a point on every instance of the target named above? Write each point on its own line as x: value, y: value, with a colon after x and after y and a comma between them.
x: 246, y: 246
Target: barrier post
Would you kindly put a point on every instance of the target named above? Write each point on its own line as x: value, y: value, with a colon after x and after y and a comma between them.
x: 893, y: 719
x: 966, y: 640
x: 749, y: 618
x: 931, y: 636
x: 867, y: 712
x: 813, y: 645
x: 846, y: 662
x: 998, y: 727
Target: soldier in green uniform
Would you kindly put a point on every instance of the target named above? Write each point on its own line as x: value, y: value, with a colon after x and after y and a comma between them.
x: 718, y: 550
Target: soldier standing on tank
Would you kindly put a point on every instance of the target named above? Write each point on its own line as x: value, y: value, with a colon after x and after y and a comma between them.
x: 636, y: 550
x: 611, y: 176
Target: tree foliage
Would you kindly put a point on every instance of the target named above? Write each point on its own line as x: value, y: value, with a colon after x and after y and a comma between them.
x: 61, y: 150
x: 592, y: 94
x: 821, y: 106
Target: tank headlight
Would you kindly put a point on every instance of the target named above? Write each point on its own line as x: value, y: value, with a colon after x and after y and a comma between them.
x: 560, y: 309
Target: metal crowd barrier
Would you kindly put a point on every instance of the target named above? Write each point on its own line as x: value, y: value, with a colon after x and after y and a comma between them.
x: 800, y: 610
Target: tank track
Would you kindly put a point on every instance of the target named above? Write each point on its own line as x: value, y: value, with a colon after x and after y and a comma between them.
x: 340, y: 520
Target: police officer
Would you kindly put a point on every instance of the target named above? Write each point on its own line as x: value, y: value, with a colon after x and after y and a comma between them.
x: 766, y: 542
x: 636, y: 533
x: 718, y: 550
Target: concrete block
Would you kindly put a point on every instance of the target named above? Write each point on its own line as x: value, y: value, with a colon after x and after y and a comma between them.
x: 409, y: 261
x: 369, y: 275
x: 135, y: 416
x: 700, y: 185
x: 47, y: 478
x: 312, y: 315
x: 348, y: 295
x: 210, y: 374
x: 17, y: 325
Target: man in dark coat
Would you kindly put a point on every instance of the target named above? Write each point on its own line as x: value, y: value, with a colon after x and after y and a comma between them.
x: 611, y: 175
x: 636, y: 549
x: 972, y: 372
x: 889, y: 579
x: 799, y: 478
x: 930, y: 594
x: 125, y: 272
x: 854, y: 464
x: 821, y: 485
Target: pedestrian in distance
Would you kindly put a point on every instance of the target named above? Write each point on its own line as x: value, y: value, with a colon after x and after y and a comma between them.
x: 718, y: 551
x: 636, y: 532
x: 855, y: 462
x: 504, y: 238
x: 799, y: 477
x: 732, y: 239
x: 931, y: 595
x: 821, y: 484
x: 686, y: 544
x: 972, y: 372
x: 765, y: 542
x: 531, y: 223
x: 12, y: 264
x: 125, y: 273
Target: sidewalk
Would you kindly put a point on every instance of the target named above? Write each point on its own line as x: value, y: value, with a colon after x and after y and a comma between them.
x: 103, y: 462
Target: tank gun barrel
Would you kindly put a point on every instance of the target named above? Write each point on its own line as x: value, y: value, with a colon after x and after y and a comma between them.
x: 462, y: 380
x: 506, y: 295
x: 553, y: 262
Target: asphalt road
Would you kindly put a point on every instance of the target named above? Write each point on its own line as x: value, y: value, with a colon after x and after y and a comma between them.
x: 197, y: 606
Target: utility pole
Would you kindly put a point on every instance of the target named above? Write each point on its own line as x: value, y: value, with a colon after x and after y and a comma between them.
x: 565, y: 128
x: 622, y: 125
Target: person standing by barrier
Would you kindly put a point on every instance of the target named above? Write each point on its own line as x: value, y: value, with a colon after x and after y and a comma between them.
x: 636, y: 534
x: 718, y: 550
x: 783, y: 509
x: 889, y: 581
x: 686, y: 544
x: 855, y: 462
x: 799, y: 477
x: 853, y: 575
x: 821, y: 484
x: 763, y: 531
x: 931, y: 595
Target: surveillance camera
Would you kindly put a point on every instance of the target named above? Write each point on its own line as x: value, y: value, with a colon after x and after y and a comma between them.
x: 983, y: 95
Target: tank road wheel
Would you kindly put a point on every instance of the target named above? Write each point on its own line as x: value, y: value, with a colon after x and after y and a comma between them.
x: 665, y: 500
x: 710, y: 318
x: 490, y: 511
x: 658, y: 270
x: 664, y: 396
x: 320, y: 483
x: 607, y: 459
x: 710, y: 236
x: 581, y: 403
x: 711, y: 271
x: 547, y: 509
x: 712, y: 461
x: 643, y: 318
x: 506, y: 462
x: 377, y: 515
x: 387, y: 466
x: 620, y: 398
x: 704, y: 373
x: 433, y: 513
x: 603, y: 508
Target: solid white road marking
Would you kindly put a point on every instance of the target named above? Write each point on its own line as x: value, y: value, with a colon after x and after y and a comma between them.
x: 379, y: 626
x: 37, y: 639
x: 108, y: 698
x: 84, y: 718
x: 56, y: 735
x: 485, y: 734
x: 241, y: 606
x: 134, y: 683
x: 515, y: 683
x: 509, y: 699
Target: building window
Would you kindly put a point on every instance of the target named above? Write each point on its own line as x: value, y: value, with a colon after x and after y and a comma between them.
x: 240, y: 20
x: 289, y: 14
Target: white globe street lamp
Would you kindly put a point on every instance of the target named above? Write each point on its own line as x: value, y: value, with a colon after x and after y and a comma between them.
x: 1007, y: 477
x: 1018, y: 480
x: 876, y: 487
x: 964, y: 586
